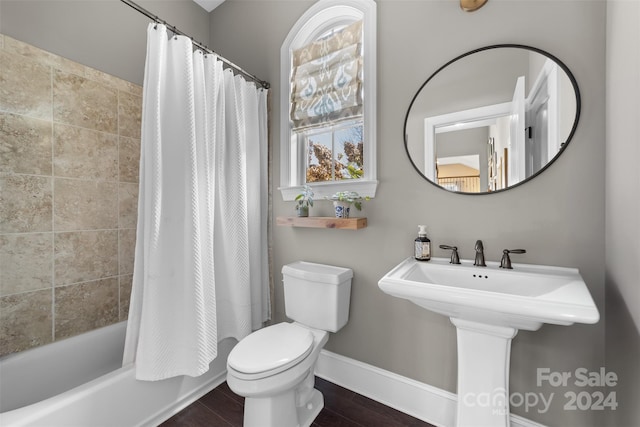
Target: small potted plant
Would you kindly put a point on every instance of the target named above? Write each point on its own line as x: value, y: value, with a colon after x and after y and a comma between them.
x: 342, y: 201
x: 304, y: 199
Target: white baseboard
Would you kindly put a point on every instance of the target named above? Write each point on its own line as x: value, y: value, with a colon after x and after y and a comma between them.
x: 422, y: 401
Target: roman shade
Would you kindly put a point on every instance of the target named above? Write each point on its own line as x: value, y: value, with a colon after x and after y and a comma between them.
x: 326, y: 80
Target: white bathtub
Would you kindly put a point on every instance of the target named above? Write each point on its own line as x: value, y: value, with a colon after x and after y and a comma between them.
x: 80, y: 382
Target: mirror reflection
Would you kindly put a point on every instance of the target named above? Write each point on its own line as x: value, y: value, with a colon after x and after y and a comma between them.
x: 492, y: 119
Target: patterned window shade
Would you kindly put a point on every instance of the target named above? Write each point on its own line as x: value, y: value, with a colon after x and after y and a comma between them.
x: 326, y: 83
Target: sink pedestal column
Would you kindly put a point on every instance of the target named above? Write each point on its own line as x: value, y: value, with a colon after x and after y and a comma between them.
x: 483, y: 374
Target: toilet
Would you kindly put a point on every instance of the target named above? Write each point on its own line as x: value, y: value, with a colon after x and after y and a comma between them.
x: 273, y: 368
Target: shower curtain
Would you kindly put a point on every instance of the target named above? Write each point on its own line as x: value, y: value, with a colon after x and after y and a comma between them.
x: 201, y: 265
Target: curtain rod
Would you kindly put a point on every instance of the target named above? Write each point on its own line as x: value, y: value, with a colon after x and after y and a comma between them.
x: 174, y: 30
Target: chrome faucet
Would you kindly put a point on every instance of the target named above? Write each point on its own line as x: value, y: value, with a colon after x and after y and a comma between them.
x: 506, y: 260
x: 479, y: 247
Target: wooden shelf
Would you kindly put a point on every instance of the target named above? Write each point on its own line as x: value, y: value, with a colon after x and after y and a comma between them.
x: 322, y: 222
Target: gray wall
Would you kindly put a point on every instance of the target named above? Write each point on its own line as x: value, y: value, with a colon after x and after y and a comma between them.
x: 558, y: 217
x: 623, y: 207
x: 104, y: 34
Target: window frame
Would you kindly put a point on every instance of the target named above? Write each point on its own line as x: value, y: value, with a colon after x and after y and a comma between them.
x: 317, y: 20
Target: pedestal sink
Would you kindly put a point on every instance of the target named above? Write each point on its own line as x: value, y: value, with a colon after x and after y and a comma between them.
x: 488, y: 306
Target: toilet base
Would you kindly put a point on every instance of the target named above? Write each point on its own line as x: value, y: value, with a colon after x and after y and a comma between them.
x: 281, y: 410
x: 309, y: 412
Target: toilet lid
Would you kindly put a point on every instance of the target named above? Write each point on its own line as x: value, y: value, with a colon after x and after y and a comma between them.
x: 275, y: 347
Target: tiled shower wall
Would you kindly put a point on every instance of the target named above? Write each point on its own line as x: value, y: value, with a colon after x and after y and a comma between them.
x: 69, y: 153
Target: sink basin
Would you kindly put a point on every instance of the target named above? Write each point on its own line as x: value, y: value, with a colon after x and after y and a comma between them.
x: 488, y: 305
x: 522, y: 298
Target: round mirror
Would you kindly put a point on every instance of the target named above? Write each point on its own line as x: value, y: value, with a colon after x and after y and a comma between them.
x: 492, y: 119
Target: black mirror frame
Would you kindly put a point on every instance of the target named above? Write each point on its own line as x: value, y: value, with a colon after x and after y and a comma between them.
x: 571, y: 77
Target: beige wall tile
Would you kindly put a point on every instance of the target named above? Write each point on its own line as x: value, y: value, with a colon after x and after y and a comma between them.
x: 125, y: 295
x: 134, y: 89
x: 129, y: 115
x: 127, y: 250
x: 68, y: 66
x: 77, y: 142
x: 29, y: 51
x: 25, y: 86
x: 85, y: 306
x: 128, y: 205
x: 81, y: 102
x: 112, y: 81
x: 25, y: 321
x: 85, y: 153
x: 25, y: 145
x: 25, y: 203
x: 26, y: 262
x: 42, y: 56
x: 85, y: 205
x: 85, y: 255
x: 129, y: 159
x: 104, y: 78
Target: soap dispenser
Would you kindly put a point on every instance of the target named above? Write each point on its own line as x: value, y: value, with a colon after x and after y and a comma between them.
x: 422, y: 251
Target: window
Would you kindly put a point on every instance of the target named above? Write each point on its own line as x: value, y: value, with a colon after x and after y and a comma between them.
x: 328, y: 82
x: 335, y: 153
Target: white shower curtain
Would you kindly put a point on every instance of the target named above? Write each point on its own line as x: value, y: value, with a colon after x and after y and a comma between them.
x: 201, y: 264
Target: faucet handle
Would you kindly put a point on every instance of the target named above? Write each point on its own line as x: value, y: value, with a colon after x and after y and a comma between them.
x: 506, y: 260
x: 455, y: 259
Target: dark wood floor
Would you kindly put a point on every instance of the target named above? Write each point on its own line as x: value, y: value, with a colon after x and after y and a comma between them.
x: 342, y: 408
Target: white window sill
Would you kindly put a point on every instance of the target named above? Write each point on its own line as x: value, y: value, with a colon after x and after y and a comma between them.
x: 327, y: 189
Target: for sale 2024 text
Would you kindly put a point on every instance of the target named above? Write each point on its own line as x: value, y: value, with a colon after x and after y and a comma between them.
x: 594, y: 400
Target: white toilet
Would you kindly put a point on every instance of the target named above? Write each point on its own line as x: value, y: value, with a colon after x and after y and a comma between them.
x: 273, y: 368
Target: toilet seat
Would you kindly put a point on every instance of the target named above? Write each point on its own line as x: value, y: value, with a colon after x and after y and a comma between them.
x: 271, y: 350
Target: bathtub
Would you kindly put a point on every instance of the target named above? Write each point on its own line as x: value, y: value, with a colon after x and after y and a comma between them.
x: 80, y: 382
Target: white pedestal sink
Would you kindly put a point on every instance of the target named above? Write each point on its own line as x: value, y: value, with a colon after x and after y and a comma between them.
x: 488, y: 306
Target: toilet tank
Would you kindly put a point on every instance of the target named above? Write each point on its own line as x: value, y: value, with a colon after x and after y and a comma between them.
x: 317, y: 295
